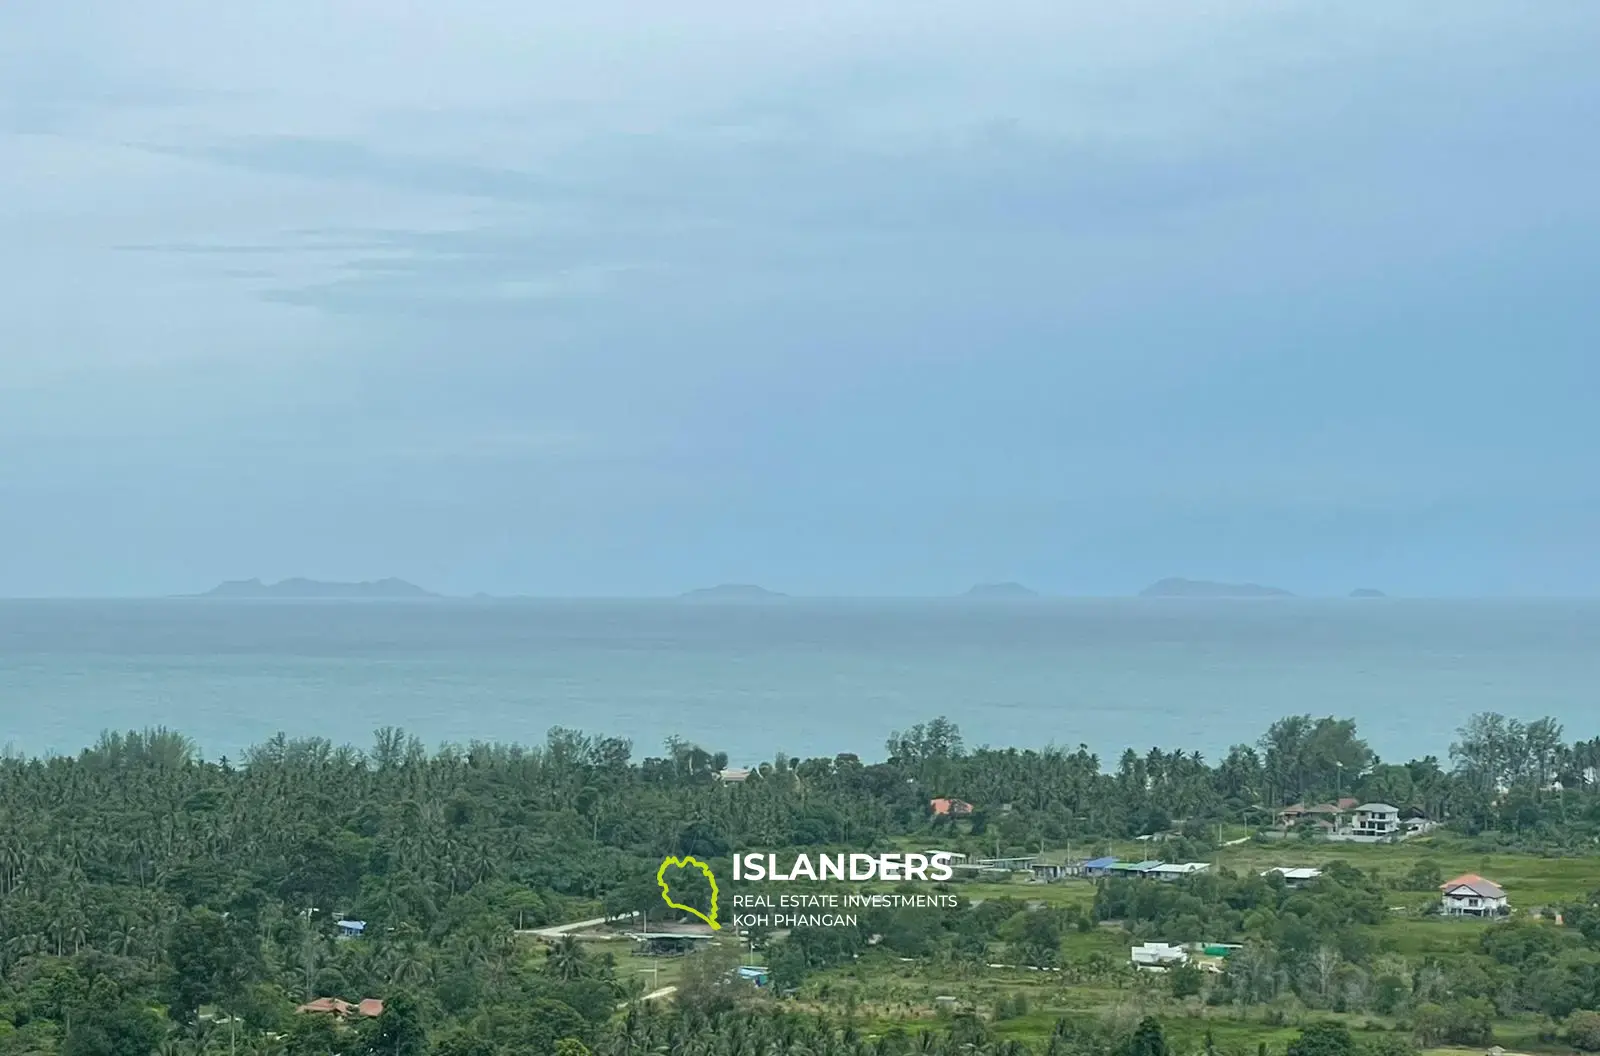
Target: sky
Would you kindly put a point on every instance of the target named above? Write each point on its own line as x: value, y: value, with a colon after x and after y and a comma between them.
x: 624, y: 299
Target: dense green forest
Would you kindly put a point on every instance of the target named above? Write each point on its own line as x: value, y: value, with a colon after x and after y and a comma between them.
x: 152, y: 901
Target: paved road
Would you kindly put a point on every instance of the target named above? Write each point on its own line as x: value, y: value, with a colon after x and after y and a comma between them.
x: 665, y: 991
x: 561, y: 929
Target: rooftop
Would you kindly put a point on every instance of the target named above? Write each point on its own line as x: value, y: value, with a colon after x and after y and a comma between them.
x: 1294, y: 872
x: 367, y: 1006
x: 669, y: 936
x: 1182, y: 868
x: 1345, y: 803
x: 1473, y: 884
x: 1136, y: 867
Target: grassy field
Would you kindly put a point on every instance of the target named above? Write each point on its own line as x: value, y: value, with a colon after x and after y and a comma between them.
x: 885, y: 994
x: 652, y: 972
x: 882, y: 991
x: 1530, y: 881
x: 1065, y: 893
x: 880, y: 994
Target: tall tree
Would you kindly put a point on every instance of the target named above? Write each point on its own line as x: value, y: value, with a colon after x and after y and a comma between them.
x: 211, y: 958
x: 399, y: 1030
x: 1148, y: 1039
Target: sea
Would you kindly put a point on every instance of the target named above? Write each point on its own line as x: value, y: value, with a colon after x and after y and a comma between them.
x: 802, y: 678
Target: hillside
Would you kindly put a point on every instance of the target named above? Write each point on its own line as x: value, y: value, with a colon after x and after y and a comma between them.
x: 1000, y: 592
x: 1177, y: 587
x: 313, y: 588
x: 732, y: 592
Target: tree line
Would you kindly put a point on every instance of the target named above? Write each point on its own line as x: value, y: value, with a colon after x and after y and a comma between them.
x: 150, y: 898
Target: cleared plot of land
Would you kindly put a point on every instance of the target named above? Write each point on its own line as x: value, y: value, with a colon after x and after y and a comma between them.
x: 653, y: 972
x: 886, y: 991
x: 1061, y: 893
x: 1529, y: 880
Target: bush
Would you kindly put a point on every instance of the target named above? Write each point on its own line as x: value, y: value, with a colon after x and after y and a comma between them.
x: 1467, y: 1021
x: 1011, y: 1006
x: 1185, y: 981
x: 1387, y: 1045
x: 1424, y: 876
x: 1583, y: 1031
x: 1323, y: 1039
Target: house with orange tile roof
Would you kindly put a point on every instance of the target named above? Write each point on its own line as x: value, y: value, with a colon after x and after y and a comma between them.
x: 371, y: 1007
x: 1470, y: 895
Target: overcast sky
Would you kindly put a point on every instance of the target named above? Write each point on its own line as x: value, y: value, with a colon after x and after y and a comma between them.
x: 833, y: 297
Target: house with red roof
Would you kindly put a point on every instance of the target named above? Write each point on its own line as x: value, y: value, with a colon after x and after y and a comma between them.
x: 1470, y: 895
x: 371, y: 1007
x: 1330, y: 816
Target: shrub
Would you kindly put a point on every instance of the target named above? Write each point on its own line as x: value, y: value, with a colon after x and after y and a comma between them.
x: 1323, y: 1039
x: 1583, y: 1031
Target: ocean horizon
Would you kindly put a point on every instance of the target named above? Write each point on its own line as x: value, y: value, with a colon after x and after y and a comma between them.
x: 801, y: 676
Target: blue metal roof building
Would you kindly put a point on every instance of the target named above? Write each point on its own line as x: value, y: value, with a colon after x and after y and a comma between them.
x: 1099, y: 866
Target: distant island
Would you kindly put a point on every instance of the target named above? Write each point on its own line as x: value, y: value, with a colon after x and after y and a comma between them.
x: 1176, y: 587
x: 1000, y: 592
x: 732, y: 592
x: 1367, y: 592
x: 312, y: 588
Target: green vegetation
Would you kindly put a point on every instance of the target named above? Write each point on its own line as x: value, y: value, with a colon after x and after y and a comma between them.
x: 151, y: 901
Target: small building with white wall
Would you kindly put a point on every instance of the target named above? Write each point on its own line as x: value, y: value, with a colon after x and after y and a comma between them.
x: 1376, y: 821
x: 1294, y: 876
x: 1159, y: 955
x: 1177, y: 870
x: 1473, y: 896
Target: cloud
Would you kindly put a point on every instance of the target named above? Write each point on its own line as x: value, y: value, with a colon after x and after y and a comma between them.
x: 1076, y: 264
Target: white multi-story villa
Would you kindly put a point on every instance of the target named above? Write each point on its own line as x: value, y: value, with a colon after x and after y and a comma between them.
x: 1377, y: 820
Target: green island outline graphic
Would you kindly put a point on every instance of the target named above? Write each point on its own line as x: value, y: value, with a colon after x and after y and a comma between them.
x: 684, y: 863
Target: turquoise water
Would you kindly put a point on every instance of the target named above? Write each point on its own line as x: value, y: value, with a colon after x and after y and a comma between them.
x: 804, y: 678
